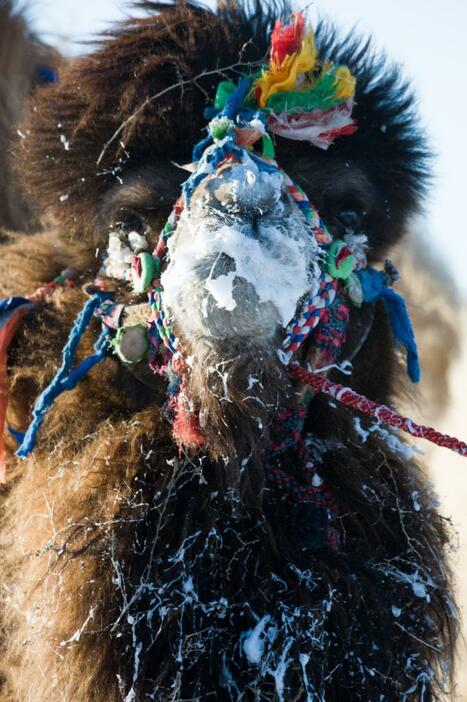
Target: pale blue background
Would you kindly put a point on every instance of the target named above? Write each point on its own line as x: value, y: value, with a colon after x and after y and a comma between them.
x: 428, y: 37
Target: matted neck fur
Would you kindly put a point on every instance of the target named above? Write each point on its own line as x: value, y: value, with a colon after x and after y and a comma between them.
x: 132, y: 570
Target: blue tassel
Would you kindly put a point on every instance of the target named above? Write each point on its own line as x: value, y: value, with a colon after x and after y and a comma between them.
x: 200, y: 148
x: 235, y: 101
x: 402, y: 329
x: 374, y: 288
x: 66, y: 377
x: 230, y: 110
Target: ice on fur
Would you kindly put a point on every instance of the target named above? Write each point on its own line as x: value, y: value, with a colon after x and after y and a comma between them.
x: 241, y: 258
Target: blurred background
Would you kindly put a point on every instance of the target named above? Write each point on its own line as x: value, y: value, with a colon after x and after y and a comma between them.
x: 427, y: 39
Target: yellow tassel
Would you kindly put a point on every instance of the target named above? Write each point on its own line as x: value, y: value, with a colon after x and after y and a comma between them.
x: 345, y: 83
x: 284, y: 77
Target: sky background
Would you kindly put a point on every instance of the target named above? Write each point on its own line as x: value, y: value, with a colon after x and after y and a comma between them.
x: 427, y: 37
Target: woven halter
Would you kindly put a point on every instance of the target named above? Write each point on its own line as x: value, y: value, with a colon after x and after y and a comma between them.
x: 297, y: 97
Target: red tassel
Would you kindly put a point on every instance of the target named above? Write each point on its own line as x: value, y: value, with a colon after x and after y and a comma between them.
x: 287, y: 39
x: 185, y: 427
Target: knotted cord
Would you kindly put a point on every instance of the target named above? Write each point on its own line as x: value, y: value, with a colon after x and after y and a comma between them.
x: 383, y: 413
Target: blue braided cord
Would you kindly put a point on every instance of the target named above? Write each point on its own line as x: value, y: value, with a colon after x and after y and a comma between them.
x: 211, y: 158
x: 27, y: 440
x: 263, y: 165
x: 200, y: 147
x: 18, y: 435
x: 101, y: 348
x: 66, y: 378
x: 374, y: 287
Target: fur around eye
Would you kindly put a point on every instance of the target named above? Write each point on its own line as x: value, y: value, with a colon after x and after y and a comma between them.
x: 350, y: 217
x: 131, y: 223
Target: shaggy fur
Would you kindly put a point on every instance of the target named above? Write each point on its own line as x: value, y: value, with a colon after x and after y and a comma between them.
x: 132, y: 571
x: 22, y: 56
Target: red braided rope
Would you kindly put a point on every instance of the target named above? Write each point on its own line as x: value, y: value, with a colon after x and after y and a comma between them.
x: 382, y: 413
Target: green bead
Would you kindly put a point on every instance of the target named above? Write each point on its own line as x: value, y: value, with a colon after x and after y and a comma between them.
x: 156, y: 264
x: 131, y: 343
x: 353, y: 288
x: 142, y: 283
x: 346, y: 267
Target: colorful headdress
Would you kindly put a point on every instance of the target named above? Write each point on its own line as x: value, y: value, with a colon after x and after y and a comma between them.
x: 300, y: 96
x: 305, y: 99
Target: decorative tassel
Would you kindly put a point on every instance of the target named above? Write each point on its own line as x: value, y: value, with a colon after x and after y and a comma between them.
x: 292, y: 54
x: 67, y: 378
x: 286, y: 40
x: 374, y: 287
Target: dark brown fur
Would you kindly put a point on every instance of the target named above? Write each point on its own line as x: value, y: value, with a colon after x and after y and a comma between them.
x: 95, y: 524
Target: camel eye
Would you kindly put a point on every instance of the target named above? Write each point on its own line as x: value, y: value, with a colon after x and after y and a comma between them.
x: 131, y: 223
x: 350, y: 218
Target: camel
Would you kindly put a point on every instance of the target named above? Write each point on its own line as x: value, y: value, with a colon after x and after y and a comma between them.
x: 189, y: 521
x: 25, y: 63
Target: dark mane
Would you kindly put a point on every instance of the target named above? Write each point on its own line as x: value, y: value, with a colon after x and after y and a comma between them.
x: 389, y: 132
x: 114, y: 88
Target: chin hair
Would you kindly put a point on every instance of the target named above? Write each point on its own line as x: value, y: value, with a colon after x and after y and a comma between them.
x: 236, y: 391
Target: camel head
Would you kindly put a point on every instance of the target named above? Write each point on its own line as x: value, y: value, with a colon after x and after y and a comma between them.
x: 246, y: 235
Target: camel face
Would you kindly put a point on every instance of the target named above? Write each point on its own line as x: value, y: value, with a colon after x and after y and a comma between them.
x: 240, y: 259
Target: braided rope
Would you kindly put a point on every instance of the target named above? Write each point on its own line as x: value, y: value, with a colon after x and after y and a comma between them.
x: 382, y: 413
x: 313, y: 310
x: 313, y: 307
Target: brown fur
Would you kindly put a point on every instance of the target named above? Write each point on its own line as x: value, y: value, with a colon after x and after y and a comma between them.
x: 21, y: 53
x: 94, y: 522
x: 435, y: 308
